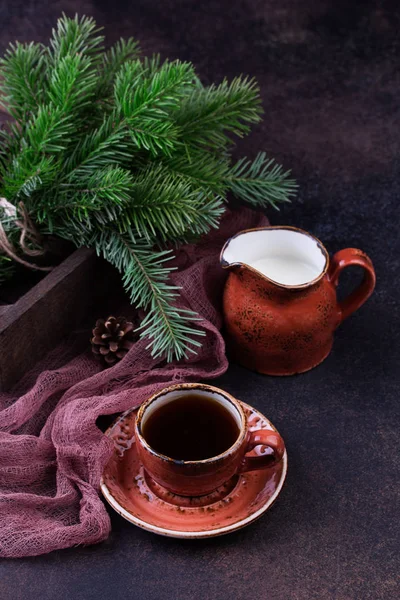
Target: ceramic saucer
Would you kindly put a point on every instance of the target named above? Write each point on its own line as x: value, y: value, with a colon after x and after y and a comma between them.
x: 140, y: 500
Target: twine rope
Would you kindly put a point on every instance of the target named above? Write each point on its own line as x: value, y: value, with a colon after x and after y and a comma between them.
x: 29, y: 233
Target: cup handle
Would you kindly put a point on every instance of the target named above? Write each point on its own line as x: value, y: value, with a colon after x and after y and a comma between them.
x: 263, y: 437
x: 341, y: 260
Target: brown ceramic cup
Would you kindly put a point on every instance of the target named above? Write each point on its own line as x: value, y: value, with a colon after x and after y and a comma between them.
x: 200, y: 477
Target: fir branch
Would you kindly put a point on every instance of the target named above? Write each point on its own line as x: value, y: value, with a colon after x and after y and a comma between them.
x: 72, y: 84
x: 164, y: 206
x: 106, y: 145
x: 46, y: 133
x: 145, y: 96
x: 75, y: 36
x: 157, y: 94
x: 49, y: 132
x: 206, y: 115
x: 87, y: 202
x: 126, y: 81
x: 152, y: 64
x: 203, y: 170
x: 69, y: 87
x: 112, y: 62
x: 78, y: 210
x: 22, y: 72
x: 260, y: 182
x: 26, y: 177
x: 153, y: 135
x: 145, y: 277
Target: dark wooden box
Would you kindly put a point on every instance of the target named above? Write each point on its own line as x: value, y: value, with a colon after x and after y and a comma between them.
x: 36, y: 322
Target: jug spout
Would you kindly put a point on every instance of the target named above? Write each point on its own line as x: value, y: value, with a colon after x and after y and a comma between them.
x: 235, y: 252
x: 285, y: 256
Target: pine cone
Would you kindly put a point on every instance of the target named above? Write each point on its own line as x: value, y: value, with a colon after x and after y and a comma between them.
x: 113, y: 338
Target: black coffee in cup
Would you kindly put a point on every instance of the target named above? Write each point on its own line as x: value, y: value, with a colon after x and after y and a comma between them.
x: 191, y: 427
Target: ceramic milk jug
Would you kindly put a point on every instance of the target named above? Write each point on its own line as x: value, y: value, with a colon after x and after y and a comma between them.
x: 280, y: 303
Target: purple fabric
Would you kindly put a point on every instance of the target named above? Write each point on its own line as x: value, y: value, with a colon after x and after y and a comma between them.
x: 52, y: 453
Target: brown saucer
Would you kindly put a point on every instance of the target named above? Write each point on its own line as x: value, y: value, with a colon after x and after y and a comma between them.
x: 140, y: 500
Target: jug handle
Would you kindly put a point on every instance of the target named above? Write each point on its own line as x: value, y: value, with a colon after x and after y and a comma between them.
x: 341, y: 260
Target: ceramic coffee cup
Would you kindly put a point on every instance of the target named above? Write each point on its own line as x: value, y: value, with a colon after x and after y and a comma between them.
x: 200, y: 477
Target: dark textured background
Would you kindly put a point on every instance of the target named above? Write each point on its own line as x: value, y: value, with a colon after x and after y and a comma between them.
x: 330, y: 80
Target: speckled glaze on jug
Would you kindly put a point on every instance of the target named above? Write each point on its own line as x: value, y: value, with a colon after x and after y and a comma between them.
x: 279, y: 329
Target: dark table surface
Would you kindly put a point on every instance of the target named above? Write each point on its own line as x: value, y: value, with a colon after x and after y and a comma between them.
x: 329, y: 75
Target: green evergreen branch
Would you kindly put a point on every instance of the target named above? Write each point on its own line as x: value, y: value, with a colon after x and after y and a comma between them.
x: 260, y: 182
x: 85, y: 204
x: 153, y: 135
x: 112, y: 62
x: 164, y: 206
x: 48, y: 131
x: 158, y: 93
x: 207, y: 115
x: 124, y: 154
x: 144, y: 96
x: 152, y: 64
x: 75, y: 36
x: 23, y: 76
x: 145, y: 278
x: 25, y: 178
x: 202, y: 170
x: 72, y: 83
x: 102, y: 194
x: 105, y: 145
